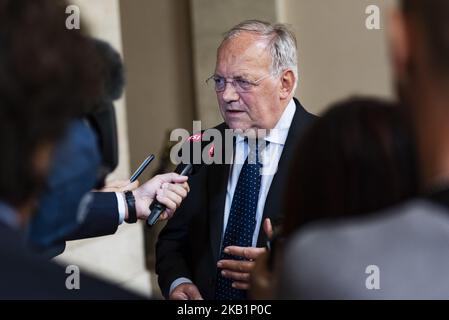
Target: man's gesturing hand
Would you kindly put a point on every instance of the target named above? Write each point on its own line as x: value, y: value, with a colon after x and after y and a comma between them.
x: 186, y: 291
x: 240, y: 270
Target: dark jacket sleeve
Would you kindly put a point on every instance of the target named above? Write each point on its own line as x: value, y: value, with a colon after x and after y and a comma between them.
x: 172, y: 258
x: 100, y: 218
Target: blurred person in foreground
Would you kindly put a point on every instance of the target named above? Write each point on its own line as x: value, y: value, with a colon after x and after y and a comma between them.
x: 48, y: 76
x: 359, y: 157
x: 400, y: 252
x: 84, y: 156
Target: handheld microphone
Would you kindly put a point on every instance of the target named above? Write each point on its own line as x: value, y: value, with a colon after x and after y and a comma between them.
x: 189, y: 169
x: 157, y: 208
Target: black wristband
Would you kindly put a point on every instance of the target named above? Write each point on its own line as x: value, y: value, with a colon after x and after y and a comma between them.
x: 131, y: 203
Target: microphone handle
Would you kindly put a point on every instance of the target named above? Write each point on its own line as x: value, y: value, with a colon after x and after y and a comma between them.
x: 157, y: 208
x: 156, y: 211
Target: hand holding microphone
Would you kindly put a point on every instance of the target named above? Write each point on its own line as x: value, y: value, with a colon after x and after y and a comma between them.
x: 166, y: 189
x: 158, y: 208
x: 187, y: 169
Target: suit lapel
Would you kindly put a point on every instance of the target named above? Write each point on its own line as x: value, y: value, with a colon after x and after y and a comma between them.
x: 217, y: 187
x: 273, y: 203
x: 217, y: 183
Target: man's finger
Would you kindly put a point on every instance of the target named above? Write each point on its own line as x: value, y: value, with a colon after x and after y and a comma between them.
x: 178, y: 189
x: 268, y: 228
x: 238, y: 276
x: 236, y: 265
x: 240, y: 285
x: 179, y: 295
x: 193, y: 293
x: 133, y: 185
x: 173, y: 196
x: 164, y: 216
x: 168, y: 203
x: 248, y: 253
x: 173, y: 177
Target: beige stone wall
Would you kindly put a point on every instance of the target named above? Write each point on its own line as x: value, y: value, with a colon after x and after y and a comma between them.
x: 118, y: 258
x: 338, y: 55
x: 156, y: 43
x: 102, y: 17
x: 157, y: 52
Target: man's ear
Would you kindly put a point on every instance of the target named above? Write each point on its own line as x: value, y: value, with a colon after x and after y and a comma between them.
x: 399, y: 43
x: 288, y: 81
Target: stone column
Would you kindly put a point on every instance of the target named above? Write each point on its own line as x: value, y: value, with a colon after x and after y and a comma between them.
x: 118, y: 258
x: 103, y: 20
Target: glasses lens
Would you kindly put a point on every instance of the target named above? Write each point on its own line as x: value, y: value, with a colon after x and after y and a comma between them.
x: 220, y: 83
x: 243, y: 85
x: 240, y: 85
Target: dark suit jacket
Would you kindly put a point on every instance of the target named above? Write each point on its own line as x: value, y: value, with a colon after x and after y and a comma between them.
x: 24, y: 275
x: 101, y: 219
x: 189, y: 245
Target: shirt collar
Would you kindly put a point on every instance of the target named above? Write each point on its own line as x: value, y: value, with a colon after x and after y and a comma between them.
x: 279, y: 133
x: 8, y: 216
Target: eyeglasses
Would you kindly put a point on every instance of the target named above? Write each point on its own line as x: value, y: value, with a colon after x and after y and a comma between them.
x: 240, y: 84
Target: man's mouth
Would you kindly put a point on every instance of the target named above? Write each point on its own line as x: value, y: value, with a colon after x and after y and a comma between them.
x: 234, y: 111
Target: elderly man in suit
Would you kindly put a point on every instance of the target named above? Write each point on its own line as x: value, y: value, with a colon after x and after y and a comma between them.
x: 208, y: 249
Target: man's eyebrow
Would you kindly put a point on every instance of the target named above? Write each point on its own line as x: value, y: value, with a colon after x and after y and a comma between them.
x: 242, y: 75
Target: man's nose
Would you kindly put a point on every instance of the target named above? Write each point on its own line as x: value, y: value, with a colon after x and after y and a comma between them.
x: 229, y: 93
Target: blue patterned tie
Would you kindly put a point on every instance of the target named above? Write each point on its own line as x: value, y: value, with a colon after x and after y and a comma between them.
x: 241, y: 221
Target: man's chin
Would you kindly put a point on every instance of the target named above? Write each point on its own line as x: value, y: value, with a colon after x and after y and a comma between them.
x: 237, y: 125
x: 247, y: 131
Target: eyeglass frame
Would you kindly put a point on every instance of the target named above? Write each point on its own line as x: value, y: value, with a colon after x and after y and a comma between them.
x: 234, y: 84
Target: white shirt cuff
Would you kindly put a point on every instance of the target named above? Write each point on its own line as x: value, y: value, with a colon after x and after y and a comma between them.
x: 121, y: 207
x: 177, y: 282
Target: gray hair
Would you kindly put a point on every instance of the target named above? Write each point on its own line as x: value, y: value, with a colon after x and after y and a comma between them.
x: 281, y: 43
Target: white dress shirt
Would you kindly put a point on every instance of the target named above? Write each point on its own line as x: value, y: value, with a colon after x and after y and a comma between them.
x: 121, y: 204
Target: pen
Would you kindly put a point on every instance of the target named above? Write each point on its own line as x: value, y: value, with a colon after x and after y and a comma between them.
x: 141, y: 168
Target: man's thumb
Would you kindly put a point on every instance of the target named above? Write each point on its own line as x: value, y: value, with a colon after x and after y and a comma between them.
x: 268, y: 228
x: 193, y: 293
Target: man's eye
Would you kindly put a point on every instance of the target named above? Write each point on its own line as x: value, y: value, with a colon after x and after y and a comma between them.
x: 243, y: 83
x: 219, y: 81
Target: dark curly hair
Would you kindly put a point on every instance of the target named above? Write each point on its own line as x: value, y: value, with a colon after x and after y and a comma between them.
x: 48, y: 75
